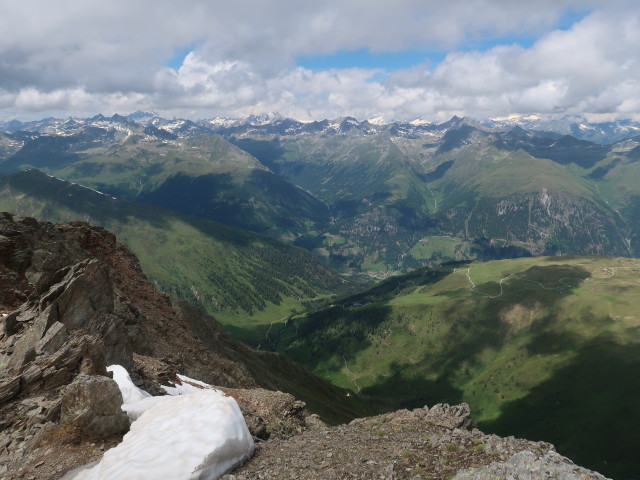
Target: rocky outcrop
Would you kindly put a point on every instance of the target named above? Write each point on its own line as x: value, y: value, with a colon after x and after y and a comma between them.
x: 527, y: 465
x: 456, y: 416
x: 62, y: 332
x: 408, y: 445
x: 74, y: 300
x: 283, y: 415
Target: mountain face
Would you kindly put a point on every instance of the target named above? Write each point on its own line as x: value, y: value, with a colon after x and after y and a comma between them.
x: 532, y: 344
x: 75, y: 300
x: 204, y: 175
x: 401, y: 198
x: 234, y: 273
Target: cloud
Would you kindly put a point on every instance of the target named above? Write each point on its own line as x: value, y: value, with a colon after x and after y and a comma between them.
x: 94, y: 56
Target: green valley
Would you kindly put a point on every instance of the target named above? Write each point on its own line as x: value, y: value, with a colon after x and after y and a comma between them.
x: 365, y: 199
x: 242, y: 278
x: 532, y: 344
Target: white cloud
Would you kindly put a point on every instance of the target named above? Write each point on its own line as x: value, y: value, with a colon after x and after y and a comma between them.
x: 93, y: 56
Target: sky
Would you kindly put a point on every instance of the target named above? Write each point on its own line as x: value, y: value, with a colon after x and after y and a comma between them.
x: 400, y: 59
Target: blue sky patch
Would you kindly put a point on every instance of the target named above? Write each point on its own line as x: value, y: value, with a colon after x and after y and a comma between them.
x: 392, y: 61
x: 363, y: 58
x: 179, y: 55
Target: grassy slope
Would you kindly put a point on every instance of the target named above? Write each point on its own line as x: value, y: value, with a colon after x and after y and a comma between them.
x: 205, y: 176
x: 232, y: 273
x: 130, y: 164
x: 533, y: 345
x: 377, y: 201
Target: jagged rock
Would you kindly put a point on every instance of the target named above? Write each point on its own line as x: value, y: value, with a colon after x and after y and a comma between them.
x: 53, y: 411
x: 94, y: 403
x: 24, y: 348
x: 9, y: 388
x: 527, y: 465
x: 69, y: 329
x: 54, y: 378
x: 31, y: 375
x: 255, y: 423
x: 53, y: 339
x: 451, y: 416
x: 282, y: 413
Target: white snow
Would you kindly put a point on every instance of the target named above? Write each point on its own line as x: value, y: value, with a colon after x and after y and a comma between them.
x: 516, y: 118
x: 195, y: 435
x: 135, y: 410
x: 377, y: 120
x: 419, y: 121
x: 130, y: 393
x: 172, y: 126
x: 185, y: 386
x: 222, y: 121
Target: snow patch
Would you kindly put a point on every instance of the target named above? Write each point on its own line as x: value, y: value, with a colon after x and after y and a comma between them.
x: 377, y: 120
x: 130, y: 393
x: 416, y: 122
x: 516, y: 118
x: 185, y: 386
x: 194, y: 435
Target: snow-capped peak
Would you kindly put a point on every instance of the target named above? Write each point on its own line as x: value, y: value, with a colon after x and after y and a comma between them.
x: 377, y: 120
x: 263, y: 119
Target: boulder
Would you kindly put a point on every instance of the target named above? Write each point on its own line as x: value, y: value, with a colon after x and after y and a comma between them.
x: 527, y: 465
x: 93, y: 403
x: 451, y: 416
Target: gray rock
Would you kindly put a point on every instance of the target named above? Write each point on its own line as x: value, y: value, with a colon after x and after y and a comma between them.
x: 31, y: 375
x: 255, y: 423
x: 72, y: 304
x: 526, y: 465
x: 24, y: 349
x: 10, y: 323
x: 451, y: 416
x: 9, y: 388
x: 510, y: 445
x: 314, y: 422
x: 93, y: 404
x: 53, y: 412
x: 53, y: 339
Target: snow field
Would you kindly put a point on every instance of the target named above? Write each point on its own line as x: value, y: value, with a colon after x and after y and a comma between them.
x: 196, y: 434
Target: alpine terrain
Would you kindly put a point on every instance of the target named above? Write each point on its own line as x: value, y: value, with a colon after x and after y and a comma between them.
x: 503, y: 251
x: 76, y: 301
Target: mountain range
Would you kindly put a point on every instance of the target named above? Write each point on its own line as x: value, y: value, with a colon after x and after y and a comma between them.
x: 574, y: 125
x: 366, y: 198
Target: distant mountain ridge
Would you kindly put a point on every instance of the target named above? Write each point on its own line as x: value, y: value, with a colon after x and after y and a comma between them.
x: 270, y: 123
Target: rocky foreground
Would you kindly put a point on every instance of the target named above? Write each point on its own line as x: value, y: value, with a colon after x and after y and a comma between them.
x: 436, y: 443
x: 74, y: 300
